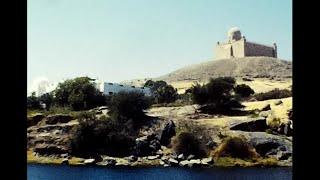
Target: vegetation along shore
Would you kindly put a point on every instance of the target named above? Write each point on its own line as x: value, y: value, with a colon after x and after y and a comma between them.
x: 217, y: 123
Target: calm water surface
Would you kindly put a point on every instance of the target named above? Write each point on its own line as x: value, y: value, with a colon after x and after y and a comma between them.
x: 64, y: 172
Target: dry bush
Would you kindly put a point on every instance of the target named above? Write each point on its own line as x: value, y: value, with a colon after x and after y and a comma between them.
x: 186, y: 143
x: 235, y: 147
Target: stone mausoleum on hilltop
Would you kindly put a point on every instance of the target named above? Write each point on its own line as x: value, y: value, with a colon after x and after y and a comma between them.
x: 237, y: 46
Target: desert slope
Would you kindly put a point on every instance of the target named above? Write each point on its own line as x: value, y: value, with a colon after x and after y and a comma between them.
x: 255, y: 67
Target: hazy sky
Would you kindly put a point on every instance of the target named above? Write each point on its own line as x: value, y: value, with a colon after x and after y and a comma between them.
x: 118, y: 40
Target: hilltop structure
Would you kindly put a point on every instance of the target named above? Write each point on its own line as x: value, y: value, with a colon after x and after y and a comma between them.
x: 237, y: 46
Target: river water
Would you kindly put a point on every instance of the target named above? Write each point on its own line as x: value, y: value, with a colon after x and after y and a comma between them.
x: 64, y: 172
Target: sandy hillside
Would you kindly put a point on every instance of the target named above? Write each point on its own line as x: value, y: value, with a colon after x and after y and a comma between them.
x: 268, y: 73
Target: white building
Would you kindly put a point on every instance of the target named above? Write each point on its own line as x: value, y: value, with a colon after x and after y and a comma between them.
x: 111, y: 88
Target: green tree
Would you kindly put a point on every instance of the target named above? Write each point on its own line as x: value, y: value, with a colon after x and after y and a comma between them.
x: 33, y: 101
x: 124, y: 106
x: 47, y: 99
x: 79, y: 93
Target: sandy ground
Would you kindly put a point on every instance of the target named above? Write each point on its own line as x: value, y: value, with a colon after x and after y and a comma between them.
x: 258, y: 85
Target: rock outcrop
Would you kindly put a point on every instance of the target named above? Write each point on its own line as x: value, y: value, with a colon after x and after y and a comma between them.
x: 58, y: 118
x: 266, y: 144
x: 167, y: 133
x: 34, y: 119
x: 254, y: 125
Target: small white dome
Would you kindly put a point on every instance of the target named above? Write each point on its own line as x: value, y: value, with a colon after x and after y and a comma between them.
x: 234, y: 33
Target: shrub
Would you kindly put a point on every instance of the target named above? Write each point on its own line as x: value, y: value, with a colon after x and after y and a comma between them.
x: 199, y: 131
x: 58, y: 110
x: 273, y: 94
x: 217, y: 91
x: 273, y: 122
x: 244, y: 90
x: 162, y: 92
x: 33, y: 102
x: 217, y: 96
x: 186, y: 143
x: 236, y: 147
x: 86, y: 116
x: 128, y: 105
x: 199, y: 94
x: 93, y: 137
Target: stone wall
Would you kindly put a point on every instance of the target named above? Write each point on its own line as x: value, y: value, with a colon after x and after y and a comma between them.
x: 238, y: 48
x: 223, y: 51
x: 254, y: 49
x: 242, y: 48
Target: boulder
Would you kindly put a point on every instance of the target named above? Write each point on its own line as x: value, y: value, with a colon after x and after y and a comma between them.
x: 266, y: 108
x: 58, y: 118
x: 110, y: 162
x: 66, y: 155
x: 165, y: 158
x: 65, y: 161
x: 267, y: 148
x: 265, y: 143
x: 186, y: 163
x: 278, y: 102
x: 255, y: 125
x: 181, y: 157
x: 167, y: 133
x: 153, y: 157
x: 206, y: 161
x: 122, y: 163
x: 286, y: 129
x: 159, y: 152
x: 34, y: 119
x: 194, y: 162
x: 162, y: 162
x: 132, y: 158
x: 173, y: 161
x: 49, y: 149
x: 147, y: 145
x: 89, y: 161
x: 211, y: 144
x: 154, y: 145
x: 191, y: 156
x: 283, y: 155
x: 102, y: 108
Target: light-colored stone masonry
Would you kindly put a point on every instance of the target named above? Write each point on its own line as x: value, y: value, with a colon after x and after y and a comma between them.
x: 238, y: 46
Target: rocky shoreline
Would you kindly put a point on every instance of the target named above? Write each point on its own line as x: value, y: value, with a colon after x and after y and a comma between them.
x: 157, y: 161
x: 49, y: 135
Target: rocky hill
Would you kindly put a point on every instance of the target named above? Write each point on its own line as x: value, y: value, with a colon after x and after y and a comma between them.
x: 251, y: 67
x: 254, y: 67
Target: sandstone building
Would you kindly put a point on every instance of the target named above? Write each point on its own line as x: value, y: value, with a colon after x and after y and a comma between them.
x: 238, y: 46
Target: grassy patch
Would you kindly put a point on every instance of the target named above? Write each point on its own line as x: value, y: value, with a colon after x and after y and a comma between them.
x: 231, y: 162
x: 51, y: 160
x: 41, y: 159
